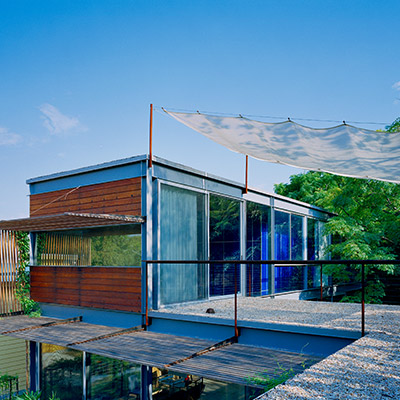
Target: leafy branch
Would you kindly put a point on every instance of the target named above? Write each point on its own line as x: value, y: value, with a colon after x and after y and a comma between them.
x: 22, y: 291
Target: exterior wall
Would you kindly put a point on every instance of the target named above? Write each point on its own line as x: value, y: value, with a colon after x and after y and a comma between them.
x: 113, y: 288
x: 130, y: 187
x: 117, y: 197
x: 13, y: 358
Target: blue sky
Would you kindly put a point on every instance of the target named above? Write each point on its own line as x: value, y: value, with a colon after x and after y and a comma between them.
x: 77, y: 78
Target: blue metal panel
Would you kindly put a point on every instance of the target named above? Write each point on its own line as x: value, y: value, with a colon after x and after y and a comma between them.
x: 117, y: 319
x: 186, y: 327
x: 318, y: 345
x: 307, y: 340
x: 225, y: 189
x: 199, y: 181
x: 90, y: 168
x: 87, y: 178
x: 182, y: 177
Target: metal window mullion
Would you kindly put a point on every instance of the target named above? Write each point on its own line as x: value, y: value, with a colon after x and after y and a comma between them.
x: 271, y: 277
x: 243, y: 229
x: 85, y: 373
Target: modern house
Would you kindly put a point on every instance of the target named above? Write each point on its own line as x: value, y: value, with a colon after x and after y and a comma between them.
x: 90, y: 230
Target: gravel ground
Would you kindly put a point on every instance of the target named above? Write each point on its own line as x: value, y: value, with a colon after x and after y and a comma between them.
x: 369, y: 368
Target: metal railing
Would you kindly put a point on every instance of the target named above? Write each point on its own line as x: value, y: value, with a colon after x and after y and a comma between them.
x: 279, y: 264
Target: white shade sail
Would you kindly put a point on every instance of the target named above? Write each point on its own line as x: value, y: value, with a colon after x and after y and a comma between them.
x: 341, y: 150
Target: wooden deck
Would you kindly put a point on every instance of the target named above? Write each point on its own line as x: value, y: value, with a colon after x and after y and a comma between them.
x: 229, y: 363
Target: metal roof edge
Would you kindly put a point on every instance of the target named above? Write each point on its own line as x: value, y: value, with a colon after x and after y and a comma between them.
x: 178, y: 166
x: 290, y: 200
x: 173, y: 165
x: 185, y: 168
x: 96, y: 167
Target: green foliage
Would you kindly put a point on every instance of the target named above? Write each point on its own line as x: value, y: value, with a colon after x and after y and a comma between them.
x: 22, y: 291
x: 6, y: 381
x: 28, y: 396
x: 34, y: 396
x: 366, y: 221
x: 268, y: 381
x: 116, y: 250
x: 41, y: 239
x: 394, y: 126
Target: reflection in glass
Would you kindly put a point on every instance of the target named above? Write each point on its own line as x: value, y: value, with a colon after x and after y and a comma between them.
x: 61, y: 372
x: 295, y: 275
x: 282, y: 249
x: 112, y: 246
x: 258, y: 237
x: 224, y: 244
x: 182, y: 237
x: 174, y: 385
x: 317, y: 243
x: 110, y: 379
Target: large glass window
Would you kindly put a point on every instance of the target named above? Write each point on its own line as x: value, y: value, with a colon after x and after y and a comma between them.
x: 294, y: 276
x: 110, y: 379
x: 61, y: 372
x: 258, y: 238
x: 289, y: 245
x: 112, y: 246
x: 182, y: 237
x: 175, y: 385
x: 317, y: 242
x: 224, y: 244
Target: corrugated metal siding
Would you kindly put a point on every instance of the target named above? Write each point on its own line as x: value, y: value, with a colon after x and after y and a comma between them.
x: 13, y: 358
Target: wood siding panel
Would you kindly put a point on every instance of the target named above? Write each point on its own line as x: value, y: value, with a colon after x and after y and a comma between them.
x: 118, y: 197
x: 112, y: 288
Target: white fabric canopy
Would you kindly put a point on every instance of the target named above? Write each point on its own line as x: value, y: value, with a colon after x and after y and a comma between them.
x: 341, y: 150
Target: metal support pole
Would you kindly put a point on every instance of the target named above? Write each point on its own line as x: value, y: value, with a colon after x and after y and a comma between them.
x: 151, y: 137
x: 247, y: 175
x: 320, y: 270
x: 362, y: 300
x: 236, y: 328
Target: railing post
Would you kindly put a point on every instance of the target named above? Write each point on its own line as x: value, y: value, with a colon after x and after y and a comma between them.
x: 362, y: 300
x: 320, y: 270
x: 236, y: 328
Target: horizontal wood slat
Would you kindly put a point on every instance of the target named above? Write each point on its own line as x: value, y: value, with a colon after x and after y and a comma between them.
x: 115, y: 288
x: 117, y: 197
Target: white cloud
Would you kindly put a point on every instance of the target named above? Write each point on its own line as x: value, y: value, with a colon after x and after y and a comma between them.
x: 8, y: 138
x: 396, y: 86
x: 58, y: 123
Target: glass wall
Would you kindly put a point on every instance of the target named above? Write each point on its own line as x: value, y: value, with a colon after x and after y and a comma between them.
x: 224, y: 244
x: 182, y: 237
x: 61, y: 372
x: 258, y: 247
x: 295, y: 275
x: 282, y: 249
x: 174, y: 385
x: 112, y: 246
x: 289, y: 245
x: 110, y: 379
x: 317, y: 243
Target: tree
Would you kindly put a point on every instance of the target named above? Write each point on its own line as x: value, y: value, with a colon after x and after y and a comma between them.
x: 366, y: 221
